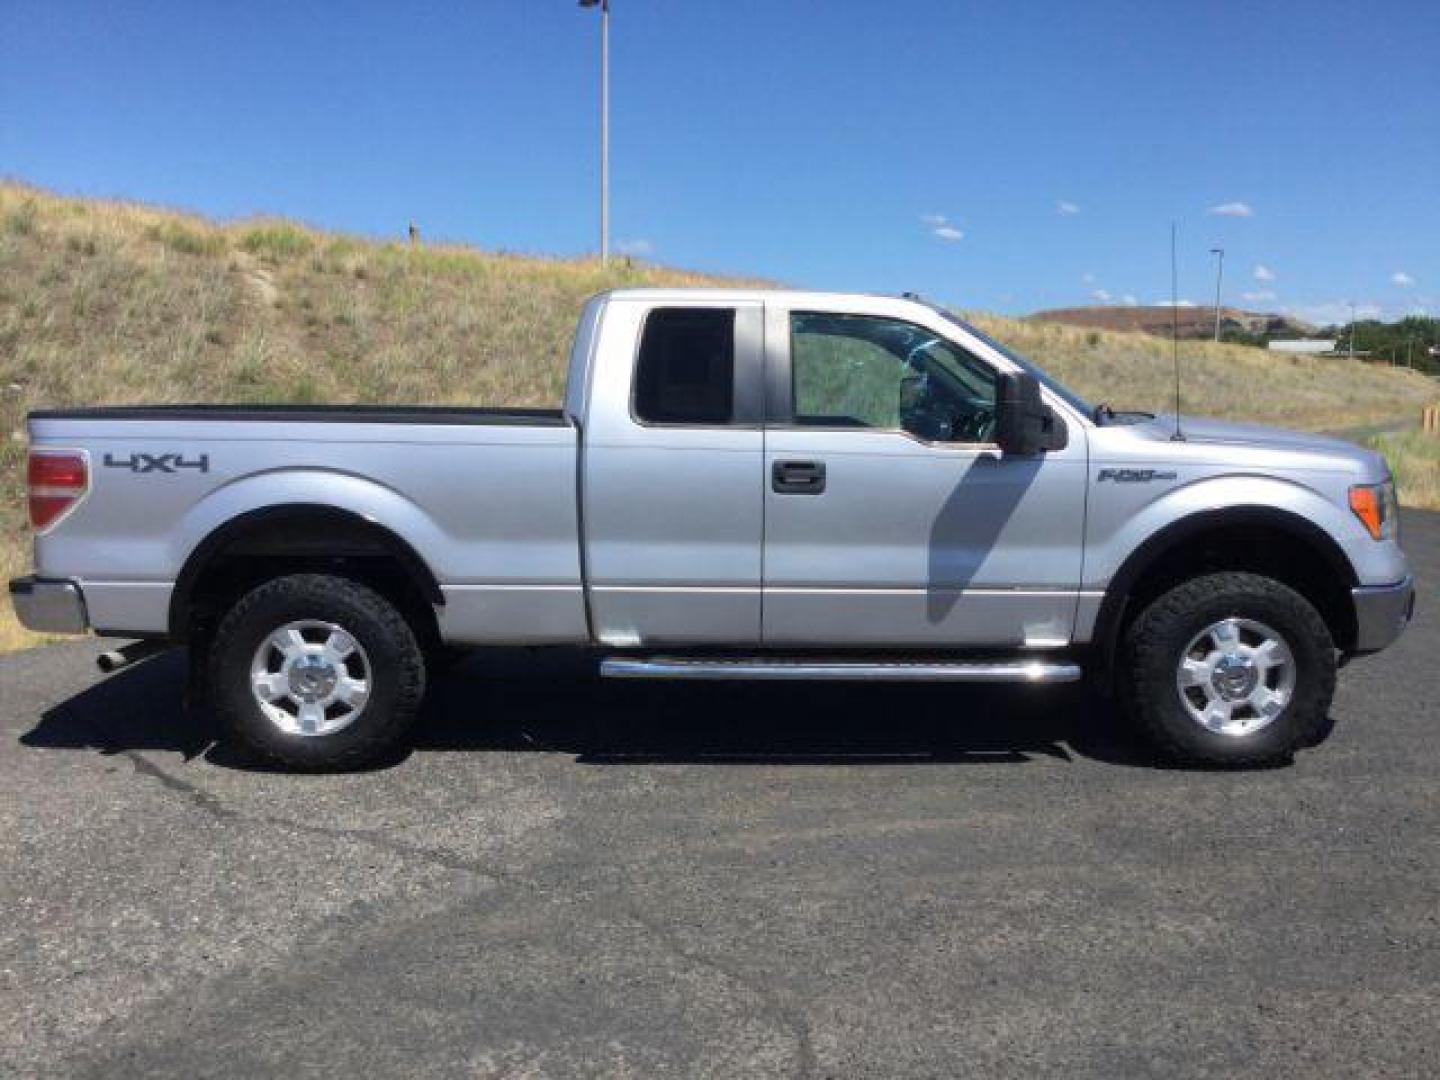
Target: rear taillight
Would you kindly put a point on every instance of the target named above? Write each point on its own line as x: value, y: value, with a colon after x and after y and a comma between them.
x: 58, y: 480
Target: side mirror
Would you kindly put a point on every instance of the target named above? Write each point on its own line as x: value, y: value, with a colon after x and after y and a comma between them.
x: 1024, y: 424
x: 912, y: 393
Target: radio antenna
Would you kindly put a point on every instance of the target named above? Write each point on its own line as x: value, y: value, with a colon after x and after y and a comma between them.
x: 1179, y: 435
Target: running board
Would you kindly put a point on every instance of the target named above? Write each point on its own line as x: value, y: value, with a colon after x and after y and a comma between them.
x: 763, y: 668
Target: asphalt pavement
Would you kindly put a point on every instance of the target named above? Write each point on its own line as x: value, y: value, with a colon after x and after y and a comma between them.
x: 575, y: 878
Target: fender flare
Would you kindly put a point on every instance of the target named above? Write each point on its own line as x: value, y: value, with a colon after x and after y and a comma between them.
x: 204, y: 553
x: 1158, y: 544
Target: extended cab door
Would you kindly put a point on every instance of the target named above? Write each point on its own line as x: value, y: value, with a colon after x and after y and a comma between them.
x: 891, y: 518
x: 671, y: 474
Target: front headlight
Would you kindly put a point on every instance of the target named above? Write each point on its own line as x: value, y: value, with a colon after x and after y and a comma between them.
x: 1377, y: 508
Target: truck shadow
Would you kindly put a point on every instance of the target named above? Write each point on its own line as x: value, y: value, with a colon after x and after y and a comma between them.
x: 552, y: 701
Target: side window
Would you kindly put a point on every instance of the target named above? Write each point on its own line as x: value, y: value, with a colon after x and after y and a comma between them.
x: 867, y: 372
x: 685, y: 373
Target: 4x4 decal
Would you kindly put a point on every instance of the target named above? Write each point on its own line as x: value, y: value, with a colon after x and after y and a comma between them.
x: 161, y: 463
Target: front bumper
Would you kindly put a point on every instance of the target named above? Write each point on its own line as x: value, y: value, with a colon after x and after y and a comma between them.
x: 1381, y: 613
x: 49, y: 606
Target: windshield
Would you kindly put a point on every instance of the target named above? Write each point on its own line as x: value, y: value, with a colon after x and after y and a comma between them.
x: 1074, y: 400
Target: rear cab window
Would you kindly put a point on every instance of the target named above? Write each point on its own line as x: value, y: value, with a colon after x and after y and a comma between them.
x: 685, y: 371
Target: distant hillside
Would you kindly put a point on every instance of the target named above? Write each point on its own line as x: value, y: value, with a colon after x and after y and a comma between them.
x: 105, y: 302
x: 1194, y: 322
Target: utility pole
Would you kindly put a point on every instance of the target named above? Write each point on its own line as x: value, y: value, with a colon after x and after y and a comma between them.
x: 604, y: 6
x: 1219, y: 275
x: 1352, y: 331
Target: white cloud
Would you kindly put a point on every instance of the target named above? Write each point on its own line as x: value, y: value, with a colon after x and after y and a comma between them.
x: 939, y: 226
x: 1129, y: 300
x: 1263, y: 273
x: 1232, y: 209
x: 1087, y: 278
x: 1402, y: 279
x: 1258, y: 296
x: 638, y: 246
x: 1066, y: 208
x: 1101, y: 296
x: 1175, y: 303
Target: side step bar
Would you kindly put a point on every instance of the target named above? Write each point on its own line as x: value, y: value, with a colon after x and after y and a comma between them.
x: 760, y: 668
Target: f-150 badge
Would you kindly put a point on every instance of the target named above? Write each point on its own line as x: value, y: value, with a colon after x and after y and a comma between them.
x: 1134, y: 476
x: 158, y: 463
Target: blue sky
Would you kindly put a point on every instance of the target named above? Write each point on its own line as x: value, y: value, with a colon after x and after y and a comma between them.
x: 1002, y: 156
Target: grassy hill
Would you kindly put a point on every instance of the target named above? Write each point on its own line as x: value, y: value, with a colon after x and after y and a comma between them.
x: 1189, y: 322
x: 106, y: 302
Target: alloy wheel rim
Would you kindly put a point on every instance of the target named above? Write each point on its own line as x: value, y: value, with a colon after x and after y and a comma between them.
x: 1236, y: 677
x: 311, y: 678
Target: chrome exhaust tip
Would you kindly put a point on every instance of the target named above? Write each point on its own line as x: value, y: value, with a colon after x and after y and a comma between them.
x: 113, y: 660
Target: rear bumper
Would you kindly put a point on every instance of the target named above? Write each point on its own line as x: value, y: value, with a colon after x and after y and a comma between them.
x: 49, y: 606
x: 1381, y: 613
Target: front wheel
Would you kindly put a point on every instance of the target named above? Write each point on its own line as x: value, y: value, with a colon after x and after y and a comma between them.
x: 316, y: 672
x: 1228, y: 669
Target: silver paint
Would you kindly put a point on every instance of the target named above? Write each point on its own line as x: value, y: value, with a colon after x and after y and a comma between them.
x: 912, y: 544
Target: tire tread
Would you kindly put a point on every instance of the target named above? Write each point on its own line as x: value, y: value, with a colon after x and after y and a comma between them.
x: 378, y: 734
x: 1148, y: 669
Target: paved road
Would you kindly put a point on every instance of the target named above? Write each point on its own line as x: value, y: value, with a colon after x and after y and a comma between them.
x: 576, y: 878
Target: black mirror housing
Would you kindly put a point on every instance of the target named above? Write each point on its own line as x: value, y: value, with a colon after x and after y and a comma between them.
x: 1024, y: 424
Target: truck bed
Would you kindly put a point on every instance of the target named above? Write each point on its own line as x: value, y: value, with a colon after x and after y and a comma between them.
x: 489, y: 496
x: 347, y: 414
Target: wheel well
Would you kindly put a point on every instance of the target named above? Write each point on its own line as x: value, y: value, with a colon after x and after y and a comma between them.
x: 1278, y: 545
x: 274, y: 541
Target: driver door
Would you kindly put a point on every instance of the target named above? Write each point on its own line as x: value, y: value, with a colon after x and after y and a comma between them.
x: 891, y: 518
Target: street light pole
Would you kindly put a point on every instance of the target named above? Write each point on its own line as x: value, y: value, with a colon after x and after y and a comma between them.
x: 604, y: 6
x: 1219, y: 275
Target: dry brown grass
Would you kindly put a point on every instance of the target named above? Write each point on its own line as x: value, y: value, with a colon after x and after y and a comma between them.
x: 14, y: 560
x: 1232, y: 382
x: 1414, y: 458
x: 108, y: 302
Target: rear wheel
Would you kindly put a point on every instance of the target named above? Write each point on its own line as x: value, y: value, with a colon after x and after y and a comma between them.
x: 1229, y: 669
x: 316, y: 672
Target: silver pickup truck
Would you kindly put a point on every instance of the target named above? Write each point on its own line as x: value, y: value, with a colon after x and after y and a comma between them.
x: 742, y: 484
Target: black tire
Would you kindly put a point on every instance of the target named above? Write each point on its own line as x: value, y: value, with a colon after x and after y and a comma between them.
x: 1152, y: 649
x: 396, y: 672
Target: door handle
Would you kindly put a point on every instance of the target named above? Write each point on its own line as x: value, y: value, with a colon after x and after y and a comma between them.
x: 797, y: 477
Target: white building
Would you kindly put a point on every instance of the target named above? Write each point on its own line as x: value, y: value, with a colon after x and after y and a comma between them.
x: 1307, y: 346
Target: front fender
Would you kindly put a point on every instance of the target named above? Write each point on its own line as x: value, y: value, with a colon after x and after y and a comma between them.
x: 1121, y: 523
